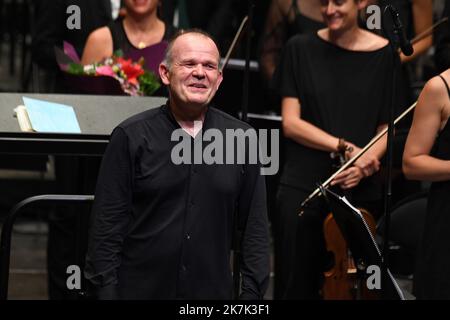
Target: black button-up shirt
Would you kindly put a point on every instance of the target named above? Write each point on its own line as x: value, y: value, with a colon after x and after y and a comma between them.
x: 164, y: 231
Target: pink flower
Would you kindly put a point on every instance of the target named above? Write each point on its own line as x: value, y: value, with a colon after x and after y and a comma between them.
x: 105, y: 71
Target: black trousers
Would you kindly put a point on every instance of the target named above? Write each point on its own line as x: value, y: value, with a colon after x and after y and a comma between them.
x: 299, y: 246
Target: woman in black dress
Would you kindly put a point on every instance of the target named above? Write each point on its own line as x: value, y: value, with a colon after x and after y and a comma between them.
x: 140, y: 28
x: 427, y: 157
x: 335, y: 92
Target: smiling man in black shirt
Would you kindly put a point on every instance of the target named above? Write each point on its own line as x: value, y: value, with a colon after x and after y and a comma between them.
x: 163, y: 230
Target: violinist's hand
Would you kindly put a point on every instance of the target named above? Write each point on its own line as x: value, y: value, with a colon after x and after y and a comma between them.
x: 368, y: 162
x: 348, y: 178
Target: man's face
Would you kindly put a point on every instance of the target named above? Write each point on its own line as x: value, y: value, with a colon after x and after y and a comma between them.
x: 193, y: 77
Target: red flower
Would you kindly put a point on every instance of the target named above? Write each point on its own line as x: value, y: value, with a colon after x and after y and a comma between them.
x: 131, y: 70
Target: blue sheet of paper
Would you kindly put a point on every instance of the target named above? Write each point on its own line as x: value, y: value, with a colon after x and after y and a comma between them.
x: 51, y: 117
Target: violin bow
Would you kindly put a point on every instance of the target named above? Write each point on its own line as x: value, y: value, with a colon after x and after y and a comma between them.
x: 233, y: 44
x: 429, y: 31
x: 317, y: 192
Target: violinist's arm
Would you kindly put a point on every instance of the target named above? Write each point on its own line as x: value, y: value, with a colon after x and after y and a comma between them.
x: 369, y: 162
x: 379, y: 148
x: 303, y: 132
x: 423, y: 19
x: 365, y: 166
x: 417, y: 162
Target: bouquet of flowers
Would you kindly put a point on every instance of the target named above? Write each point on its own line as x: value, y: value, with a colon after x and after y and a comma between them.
x: 133, y: 78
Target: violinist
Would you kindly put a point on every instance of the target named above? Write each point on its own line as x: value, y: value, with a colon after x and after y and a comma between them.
x: 427, y: 157
x: 335, y: 94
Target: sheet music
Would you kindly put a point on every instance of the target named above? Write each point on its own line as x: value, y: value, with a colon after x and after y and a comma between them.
x: 372, y: 239
x: 48, y: 116
x: 344, y: 199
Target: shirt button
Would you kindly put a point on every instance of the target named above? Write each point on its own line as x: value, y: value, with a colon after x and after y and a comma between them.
x: 188, y: 237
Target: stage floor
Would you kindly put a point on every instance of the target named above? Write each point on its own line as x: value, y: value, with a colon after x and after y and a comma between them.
x: 28, y: 273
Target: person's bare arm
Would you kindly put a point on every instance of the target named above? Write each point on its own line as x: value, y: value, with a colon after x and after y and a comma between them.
x: 417, y: 162
x: 303, y: 132
x: 311, y: 136
x: 365, y: 166
x: 98, y: 46
x: 423, y: 19
x: 369, y: 162
x: 379, y: 148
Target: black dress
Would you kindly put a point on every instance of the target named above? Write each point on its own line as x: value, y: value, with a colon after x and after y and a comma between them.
x: 302, y: 24
x: 121, y: 41
x: 432, y: 279
x: 345, y: 93
x: 285, y: 28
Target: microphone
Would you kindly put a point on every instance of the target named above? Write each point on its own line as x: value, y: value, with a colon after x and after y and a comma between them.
x: 405, y: 44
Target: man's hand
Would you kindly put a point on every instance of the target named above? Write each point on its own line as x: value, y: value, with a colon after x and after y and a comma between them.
x: 368, y: 162
x: 348, y: 178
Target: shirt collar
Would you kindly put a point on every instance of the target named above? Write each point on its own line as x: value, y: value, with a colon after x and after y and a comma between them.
x: 171, y: 117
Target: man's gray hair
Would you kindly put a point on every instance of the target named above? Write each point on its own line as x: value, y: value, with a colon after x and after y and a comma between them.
x: 168, y: 53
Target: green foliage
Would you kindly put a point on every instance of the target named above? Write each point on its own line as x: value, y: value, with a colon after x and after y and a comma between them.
x: 118, y: 53
x: 75, y: 68
x: 148, y: 83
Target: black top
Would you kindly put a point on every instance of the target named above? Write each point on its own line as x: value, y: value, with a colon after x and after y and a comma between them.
x: 432, y: 280
x: 164, y: 231
x: 120, y: 39
x: 215, y: 17
x: 345, y: 93
x: 284, y: 27
x: 302, y: 24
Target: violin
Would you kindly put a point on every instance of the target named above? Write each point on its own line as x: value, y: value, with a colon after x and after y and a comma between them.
x: 343, y: 281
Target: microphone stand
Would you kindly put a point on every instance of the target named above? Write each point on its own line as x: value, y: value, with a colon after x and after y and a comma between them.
x: 394, y: 44
x: 245, y: 89
x: 238, y: 235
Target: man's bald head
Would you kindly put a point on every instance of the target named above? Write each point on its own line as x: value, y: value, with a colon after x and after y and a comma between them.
x: 168, y: 57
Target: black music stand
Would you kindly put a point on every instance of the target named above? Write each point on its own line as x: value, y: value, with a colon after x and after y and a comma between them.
x: 360, y: 241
